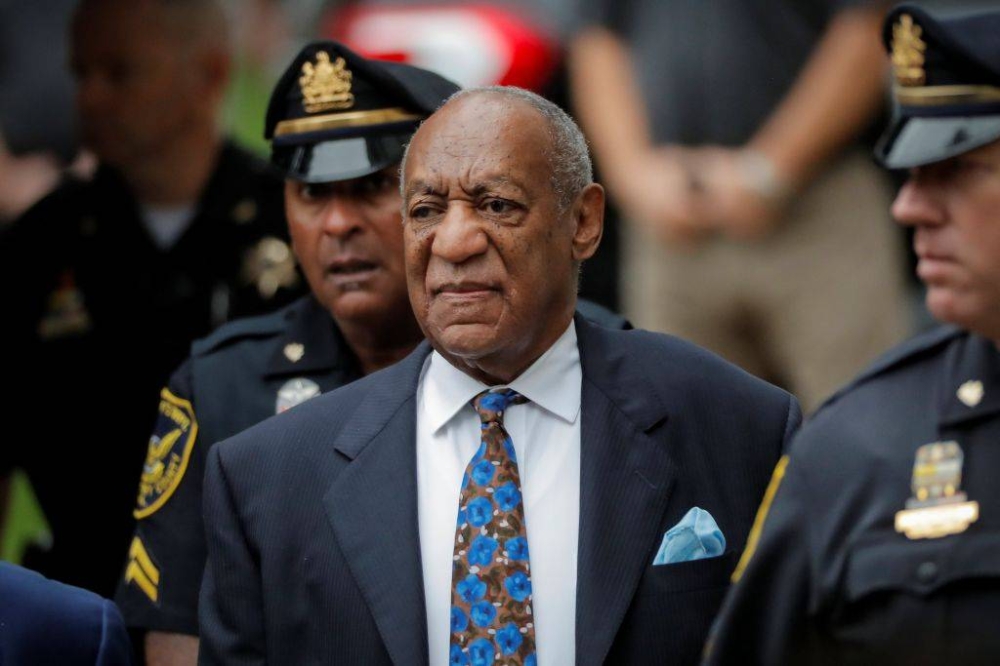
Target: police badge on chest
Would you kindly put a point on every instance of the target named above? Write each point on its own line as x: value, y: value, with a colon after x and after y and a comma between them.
x: 938, y: 508
x: 294, y: 392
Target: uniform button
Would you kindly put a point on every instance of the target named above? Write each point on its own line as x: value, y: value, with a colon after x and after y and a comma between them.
x: 927, y: 572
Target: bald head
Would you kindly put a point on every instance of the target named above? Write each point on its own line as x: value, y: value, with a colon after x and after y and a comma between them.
x: 151, y: 76
x: 566, y: 149
x: 187, y: 23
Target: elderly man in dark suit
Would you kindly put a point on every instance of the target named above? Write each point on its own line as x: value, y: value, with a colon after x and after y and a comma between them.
x: 45, y: 622
x: 526, y: 487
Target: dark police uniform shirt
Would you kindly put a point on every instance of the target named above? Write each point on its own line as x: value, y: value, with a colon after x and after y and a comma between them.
x: 831, y: 580
x: 96, y: 318
x: 245, y: 372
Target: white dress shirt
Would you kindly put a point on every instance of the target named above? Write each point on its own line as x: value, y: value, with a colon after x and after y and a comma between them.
x: 546, y: 437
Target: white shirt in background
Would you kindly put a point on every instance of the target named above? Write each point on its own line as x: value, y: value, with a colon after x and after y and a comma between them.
x: 167, y: 225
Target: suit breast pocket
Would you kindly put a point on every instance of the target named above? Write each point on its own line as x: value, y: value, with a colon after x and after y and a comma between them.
x: 672, y: 610
x: 711, y: 572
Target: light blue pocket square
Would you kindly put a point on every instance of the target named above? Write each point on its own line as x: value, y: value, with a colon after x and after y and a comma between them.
x: 695, y: 537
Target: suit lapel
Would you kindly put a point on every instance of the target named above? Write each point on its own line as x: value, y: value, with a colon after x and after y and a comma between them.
x: 372, y: 507
x: 625, y: 481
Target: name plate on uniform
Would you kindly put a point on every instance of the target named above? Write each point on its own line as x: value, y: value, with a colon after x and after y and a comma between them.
x: 937, y: 521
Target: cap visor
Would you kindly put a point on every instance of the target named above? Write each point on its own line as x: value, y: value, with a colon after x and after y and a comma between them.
x: 340, y: 159
x: 912, y: 142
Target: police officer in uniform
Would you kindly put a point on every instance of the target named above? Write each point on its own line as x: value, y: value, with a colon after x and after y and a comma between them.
x: 878, y: 541
x: 338, y: 124
x: 104, y: 284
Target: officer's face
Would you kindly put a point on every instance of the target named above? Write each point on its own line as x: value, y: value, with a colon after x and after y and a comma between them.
x: 954, y: 206
x: 137, y: 88
x: 491, y: 257
x: 348, y: 238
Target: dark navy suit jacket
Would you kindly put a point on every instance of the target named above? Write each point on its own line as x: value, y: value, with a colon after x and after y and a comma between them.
x: 311, y: 516
x: 45, y: 622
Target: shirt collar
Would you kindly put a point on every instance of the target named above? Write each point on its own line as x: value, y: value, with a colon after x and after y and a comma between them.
x: 553, y: 382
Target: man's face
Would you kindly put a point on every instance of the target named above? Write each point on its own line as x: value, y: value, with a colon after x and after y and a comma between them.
x: 954, y: 207
x: 136, y: 88
x: 491, y: 258
x: 349, y: 241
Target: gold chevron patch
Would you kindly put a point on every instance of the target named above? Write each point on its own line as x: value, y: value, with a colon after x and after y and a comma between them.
x: 142, y: 571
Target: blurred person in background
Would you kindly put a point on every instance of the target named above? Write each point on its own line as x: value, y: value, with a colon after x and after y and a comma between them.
x: 877, y: 542
x: 37, y: 126
x: 263, y: 35
x: 727, y: 134
x: 105, y: 283
x: 344, y: 219
x: 27, y: 177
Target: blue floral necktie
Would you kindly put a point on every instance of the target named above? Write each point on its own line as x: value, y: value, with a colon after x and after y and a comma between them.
x: 491, y: 620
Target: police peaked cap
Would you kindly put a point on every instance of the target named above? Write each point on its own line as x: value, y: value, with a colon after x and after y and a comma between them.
x: 335, y: 115
x: 946, y: 87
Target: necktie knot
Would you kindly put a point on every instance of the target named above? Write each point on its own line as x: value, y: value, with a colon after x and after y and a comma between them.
x: 491, y: 404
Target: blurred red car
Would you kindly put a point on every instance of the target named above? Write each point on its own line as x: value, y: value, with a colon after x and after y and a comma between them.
x: 473, y: 44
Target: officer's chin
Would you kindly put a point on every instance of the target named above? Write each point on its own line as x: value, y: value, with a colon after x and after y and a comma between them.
x: 950, y: 305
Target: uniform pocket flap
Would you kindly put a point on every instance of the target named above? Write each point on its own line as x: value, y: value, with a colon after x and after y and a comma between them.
x: 891, y: 562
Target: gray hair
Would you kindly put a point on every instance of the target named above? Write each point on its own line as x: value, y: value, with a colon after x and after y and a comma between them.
x: 572, y: 169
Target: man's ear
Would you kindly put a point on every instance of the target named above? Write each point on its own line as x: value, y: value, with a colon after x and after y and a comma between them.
x: 215, y: 66
x: 588, y: 214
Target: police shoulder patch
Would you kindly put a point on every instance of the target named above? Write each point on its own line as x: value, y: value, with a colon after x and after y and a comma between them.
x: 168, y: 454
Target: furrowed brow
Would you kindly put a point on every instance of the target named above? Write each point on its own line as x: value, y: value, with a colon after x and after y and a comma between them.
x: 421, y: 187
x: 490, y: 184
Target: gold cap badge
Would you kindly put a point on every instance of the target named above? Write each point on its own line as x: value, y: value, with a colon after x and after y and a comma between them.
x: 908, y: 52
x: 326, y: 85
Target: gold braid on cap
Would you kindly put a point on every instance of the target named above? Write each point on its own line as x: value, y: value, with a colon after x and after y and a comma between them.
x: 350, y: 119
